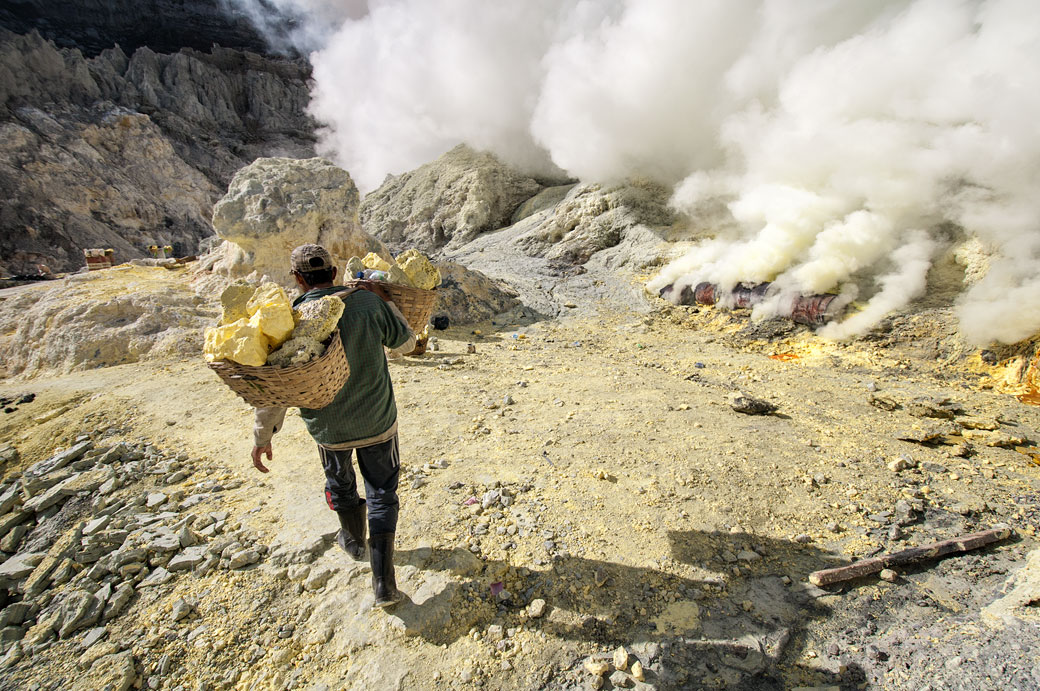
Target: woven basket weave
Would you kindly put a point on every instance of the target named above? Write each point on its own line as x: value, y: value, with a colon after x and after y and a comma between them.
x: 311, y: 385
x: 415, y: 304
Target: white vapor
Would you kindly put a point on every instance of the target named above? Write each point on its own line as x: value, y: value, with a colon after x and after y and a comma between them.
x: 845, y: 139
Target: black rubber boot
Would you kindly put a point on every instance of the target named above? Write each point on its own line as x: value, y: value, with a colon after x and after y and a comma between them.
x: 351, y: 536
x: 384, y: 584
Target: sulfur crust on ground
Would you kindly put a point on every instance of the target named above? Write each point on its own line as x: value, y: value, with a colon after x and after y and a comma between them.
x: 619, y: 424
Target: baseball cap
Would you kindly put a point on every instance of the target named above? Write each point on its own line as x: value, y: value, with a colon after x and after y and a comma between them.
x: 306, y: 258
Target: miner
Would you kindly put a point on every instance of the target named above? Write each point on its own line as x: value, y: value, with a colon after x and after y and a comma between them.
x: 361, y: 420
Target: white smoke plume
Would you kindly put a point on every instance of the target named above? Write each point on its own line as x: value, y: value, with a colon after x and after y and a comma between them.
x: 845, y: 139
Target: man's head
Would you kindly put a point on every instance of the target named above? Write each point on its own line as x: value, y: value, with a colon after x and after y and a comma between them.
x: 312, y: 266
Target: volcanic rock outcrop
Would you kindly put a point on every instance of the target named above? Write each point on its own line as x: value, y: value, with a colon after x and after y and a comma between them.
x: 163, y: 25
x: 594, y: 217
x: 447, y: 202
x: 115, y: 183
x: 466, y: 296
x: 101, y: 319
x: 276, y: 204
x: 127, y: 151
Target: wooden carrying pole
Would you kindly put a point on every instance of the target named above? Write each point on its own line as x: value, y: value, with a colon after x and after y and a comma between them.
x: 865, y: 567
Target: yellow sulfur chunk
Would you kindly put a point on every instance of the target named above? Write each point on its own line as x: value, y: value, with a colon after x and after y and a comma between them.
x: 374, y: 261
x: 269, y: 311
x: 420, y: 271
x: 398, y: 276
x: 234, y: 301
x: 316, y: 319
x: 296, y: 351
x: 241, y: 342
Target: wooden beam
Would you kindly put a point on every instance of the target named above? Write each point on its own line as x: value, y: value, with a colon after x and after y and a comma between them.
x: 865, y: 567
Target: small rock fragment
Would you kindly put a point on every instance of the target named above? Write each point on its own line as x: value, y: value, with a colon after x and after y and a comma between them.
x: 536, y: 609
x: 743, y: 403
x: 181, y: 609
x: 317, y: 579
x: 244, y: 558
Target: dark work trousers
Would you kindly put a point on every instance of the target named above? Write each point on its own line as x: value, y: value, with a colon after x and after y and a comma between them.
x: 380, y: 467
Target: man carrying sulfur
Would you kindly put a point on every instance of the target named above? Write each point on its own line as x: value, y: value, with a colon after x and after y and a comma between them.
x: 361, y: 419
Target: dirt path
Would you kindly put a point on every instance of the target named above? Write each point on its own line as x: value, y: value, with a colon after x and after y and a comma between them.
x: 594, y: 463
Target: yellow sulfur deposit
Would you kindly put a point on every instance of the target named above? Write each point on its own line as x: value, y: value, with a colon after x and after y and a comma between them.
x: 374, y: 261
x: 269, y: 311
x: 254, y: 321
x: 420, y: 271
x: 317, y: 319
x: 241, y: 342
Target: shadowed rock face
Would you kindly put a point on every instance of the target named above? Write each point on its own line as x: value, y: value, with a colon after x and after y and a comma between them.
x: 165, y: 26
x: 127, y: 151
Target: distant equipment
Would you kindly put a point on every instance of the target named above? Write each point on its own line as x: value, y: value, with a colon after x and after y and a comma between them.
x: 98, y: 259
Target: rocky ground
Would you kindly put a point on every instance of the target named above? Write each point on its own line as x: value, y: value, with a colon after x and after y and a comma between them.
x: 578, y: 496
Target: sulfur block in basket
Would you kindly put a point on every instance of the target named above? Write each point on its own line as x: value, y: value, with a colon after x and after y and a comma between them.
x: 420, y: 271
x: 316, y: 319
x: 240, y: 342
x: 270, y: 311
x: 398, y: 276
x: 374, y: 261
x: 296, y: 351
x: 354, y: 265
x: 234, y: 302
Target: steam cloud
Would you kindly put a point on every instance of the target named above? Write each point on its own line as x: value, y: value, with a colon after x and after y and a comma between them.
x: 848, y: 145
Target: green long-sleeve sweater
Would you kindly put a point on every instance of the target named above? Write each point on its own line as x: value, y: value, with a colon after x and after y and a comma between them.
x: 365, y: 406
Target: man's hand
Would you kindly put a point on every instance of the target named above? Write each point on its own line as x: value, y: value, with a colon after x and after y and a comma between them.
x: 258, y: 452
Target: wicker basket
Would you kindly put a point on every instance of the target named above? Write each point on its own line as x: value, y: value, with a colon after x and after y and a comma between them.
x: 415, y: 304
x: 311, y: 385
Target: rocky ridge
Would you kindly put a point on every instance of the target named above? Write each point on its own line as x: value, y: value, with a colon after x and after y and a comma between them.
x: 131, y: 150
x: 447, y: 202
x: 163, y: 25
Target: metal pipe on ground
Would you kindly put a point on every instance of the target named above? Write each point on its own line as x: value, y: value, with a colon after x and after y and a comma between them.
x: 810, y: 310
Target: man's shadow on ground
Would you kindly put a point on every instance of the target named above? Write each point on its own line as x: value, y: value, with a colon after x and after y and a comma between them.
x: 719, y: 612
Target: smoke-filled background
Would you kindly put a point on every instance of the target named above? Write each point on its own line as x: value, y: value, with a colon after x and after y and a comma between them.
x: 849, y: 144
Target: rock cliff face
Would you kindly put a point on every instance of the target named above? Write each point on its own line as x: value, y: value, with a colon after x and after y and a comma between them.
x: 447, y: 202
x: 126, y: 151
x: 111, y: 180
x: 165, y: 26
